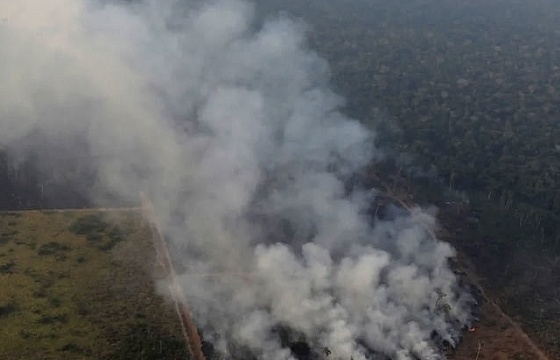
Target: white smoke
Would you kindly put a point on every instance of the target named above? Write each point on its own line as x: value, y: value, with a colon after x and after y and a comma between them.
x: 233, y: 132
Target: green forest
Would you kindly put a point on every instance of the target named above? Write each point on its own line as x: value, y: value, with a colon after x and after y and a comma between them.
x: 465, y: 96
x: 471, y: 86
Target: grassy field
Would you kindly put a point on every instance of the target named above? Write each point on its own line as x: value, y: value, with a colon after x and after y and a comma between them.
x: 79, y: 285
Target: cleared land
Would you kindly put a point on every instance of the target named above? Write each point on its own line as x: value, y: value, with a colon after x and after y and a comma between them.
x: 79, y: 285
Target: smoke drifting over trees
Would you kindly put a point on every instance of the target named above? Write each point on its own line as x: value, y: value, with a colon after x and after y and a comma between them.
x: 233, y: 132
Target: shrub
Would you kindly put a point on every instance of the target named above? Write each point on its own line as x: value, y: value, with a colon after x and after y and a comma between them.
x: 52, y: 248
x: 114, y: 237
x: 7, y: 236
x: 55, y: 302
x: 7, y: 268
x: 52, y: 319
x: 146, y: 341
x: 88, y: 225
x: 7, y: 309
x: 97, y: 231
x: 74, y: 349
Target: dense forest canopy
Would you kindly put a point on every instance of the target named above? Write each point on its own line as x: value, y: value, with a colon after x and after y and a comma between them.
x: 473, y: 85
x: 472, y: 90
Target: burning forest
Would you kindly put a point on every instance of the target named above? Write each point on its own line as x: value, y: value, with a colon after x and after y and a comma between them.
x: 229, y: 126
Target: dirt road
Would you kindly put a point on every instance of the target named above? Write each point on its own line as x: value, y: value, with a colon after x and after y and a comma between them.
x: 190, y: 331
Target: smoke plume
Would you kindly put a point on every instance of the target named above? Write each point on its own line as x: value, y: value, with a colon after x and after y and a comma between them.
x: 231, y: 129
